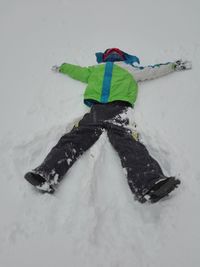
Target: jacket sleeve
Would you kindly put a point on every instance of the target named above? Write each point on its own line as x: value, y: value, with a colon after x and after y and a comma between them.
x: 152, y: 71
x: 76, y: 72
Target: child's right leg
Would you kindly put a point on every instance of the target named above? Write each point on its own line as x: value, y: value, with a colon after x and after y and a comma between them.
x: 62, y: 156
x: 72, y: 145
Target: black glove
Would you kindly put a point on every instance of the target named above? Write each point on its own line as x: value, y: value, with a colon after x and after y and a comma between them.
x: 55, y: 68
x: 182, y: 65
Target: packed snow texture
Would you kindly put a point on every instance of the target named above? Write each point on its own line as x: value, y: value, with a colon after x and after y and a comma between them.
x: 93, y: 219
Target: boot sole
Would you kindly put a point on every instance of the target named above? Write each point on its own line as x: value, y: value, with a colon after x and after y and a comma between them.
x: 38, y: 181
x: 165, y: 189
x: 34, y: 179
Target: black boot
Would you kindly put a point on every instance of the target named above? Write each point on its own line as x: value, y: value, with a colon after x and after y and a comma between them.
x: 163, y: 188
x: 39, y: 182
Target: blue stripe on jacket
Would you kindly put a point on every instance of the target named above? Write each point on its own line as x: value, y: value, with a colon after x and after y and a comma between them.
x: 107, y: 82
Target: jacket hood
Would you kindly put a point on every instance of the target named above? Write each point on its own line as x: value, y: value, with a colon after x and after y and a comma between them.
x: 129, y: 59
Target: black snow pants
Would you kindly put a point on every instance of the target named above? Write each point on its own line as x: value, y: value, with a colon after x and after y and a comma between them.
x: 142, y: 170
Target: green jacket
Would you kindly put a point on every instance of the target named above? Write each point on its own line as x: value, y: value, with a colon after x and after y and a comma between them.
x: 110, y: 81
x: 105, y: 82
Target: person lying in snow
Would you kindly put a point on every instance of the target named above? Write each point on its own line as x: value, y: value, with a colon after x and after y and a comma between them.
x: 112, y: 87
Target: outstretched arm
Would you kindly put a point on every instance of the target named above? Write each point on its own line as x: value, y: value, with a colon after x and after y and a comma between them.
x: 152, y: 72
x: 74, y: 71
x: 158, y: 70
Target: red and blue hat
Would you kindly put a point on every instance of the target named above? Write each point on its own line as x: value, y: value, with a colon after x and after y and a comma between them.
x: 115, y: 54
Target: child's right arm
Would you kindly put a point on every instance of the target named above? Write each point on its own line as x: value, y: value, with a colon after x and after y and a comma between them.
x: 74, y: 71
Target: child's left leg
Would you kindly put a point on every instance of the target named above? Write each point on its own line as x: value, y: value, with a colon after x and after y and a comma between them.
x: 144, y: 174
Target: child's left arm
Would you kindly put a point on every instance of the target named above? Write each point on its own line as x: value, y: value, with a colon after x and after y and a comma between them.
x: 158, y: 70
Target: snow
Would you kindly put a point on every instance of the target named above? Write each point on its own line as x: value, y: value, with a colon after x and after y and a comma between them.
x: 93, y: 220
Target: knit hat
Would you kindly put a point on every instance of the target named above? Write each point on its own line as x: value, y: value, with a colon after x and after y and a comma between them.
x: 115, y: 54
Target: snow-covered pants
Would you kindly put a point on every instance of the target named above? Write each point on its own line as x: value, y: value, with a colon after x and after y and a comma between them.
x: 142, y: 170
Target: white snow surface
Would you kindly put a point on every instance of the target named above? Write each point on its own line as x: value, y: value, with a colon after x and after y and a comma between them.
x: 93, y: 219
